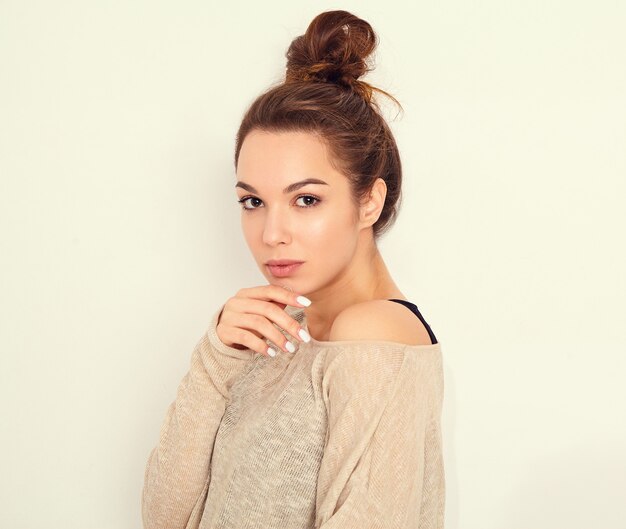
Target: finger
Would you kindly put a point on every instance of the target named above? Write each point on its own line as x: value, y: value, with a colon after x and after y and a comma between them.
x: 277, y: 294
x: 264, y: 327
x: 269, y: 331
x: 248, y: 339
x: 273, y: 314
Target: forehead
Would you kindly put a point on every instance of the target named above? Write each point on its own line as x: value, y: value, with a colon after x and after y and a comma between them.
x: 284, y: 157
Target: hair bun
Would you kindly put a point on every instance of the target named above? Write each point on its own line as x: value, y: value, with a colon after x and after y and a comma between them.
x: 333, y: 49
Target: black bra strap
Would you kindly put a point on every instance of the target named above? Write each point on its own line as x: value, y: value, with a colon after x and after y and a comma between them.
x: 415, y: 310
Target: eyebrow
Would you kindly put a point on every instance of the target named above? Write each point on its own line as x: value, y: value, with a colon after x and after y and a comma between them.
x: 289, y: 189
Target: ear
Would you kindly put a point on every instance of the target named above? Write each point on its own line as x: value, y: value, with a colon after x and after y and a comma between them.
x: 372, y: 206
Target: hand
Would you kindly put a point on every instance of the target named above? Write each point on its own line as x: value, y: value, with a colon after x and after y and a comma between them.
x: 246, y: 318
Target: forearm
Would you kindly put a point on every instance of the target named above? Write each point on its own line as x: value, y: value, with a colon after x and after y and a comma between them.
x: 178, y: 468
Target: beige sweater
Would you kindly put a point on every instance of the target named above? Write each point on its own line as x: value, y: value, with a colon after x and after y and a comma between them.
x: 341, y: 434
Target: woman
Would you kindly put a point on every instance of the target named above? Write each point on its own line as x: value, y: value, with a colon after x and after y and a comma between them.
x: 337, y: 423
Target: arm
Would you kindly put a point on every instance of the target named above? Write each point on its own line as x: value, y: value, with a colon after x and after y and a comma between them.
x: 382, y: 465
x: 178, y: 469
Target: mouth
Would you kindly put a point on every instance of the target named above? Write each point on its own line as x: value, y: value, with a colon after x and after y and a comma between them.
x: 283, y: 270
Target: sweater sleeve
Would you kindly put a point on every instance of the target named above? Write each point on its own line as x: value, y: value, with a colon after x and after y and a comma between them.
x: 382, y: 465
x: 177, y: 472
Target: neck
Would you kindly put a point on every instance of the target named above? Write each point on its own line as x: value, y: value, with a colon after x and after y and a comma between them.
x: 365, y: 278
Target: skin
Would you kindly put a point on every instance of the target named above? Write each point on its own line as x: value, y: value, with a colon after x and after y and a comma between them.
x: 342, y: 264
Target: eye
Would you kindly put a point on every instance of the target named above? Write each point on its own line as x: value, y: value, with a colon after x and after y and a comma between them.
x: 253, y: 200
x: 309, y: 201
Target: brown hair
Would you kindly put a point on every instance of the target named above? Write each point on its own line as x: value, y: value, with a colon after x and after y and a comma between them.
x: 322, y: 94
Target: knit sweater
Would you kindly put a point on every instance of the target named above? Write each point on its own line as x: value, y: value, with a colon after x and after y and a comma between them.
x: 339, y: 434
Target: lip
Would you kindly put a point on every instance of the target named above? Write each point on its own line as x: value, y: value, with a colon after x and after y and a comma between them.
x: 284, y: 270
x: 282, y: 262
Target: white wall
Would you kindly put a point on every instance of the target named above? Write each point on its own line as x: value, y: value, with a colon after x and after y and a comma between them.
x: 120, y: 236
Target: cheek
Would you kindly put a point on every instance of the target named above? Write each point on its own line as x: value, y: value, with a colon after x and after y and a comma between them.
x: 251, y: 231
x: 331, y: 234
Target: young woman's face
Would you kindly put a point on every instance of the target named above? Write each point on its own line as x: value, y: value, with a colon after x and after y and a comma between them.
x: 282, y: 218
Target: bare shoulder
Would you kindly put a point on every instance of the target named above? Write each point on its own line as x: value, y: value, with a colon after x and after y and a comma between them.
x: 379, y: 320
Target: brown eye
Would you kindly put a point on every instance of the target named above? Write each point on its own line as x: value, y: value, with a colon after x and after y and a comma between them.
x: 309, y: 204
x: 243, y: 200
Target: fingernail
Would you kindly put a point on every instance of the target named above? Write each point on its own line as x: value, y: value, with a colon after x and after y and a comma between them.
x: 303, y: 301
x: 271, y: 351
x: 290, y: 347
x: 304, y: 335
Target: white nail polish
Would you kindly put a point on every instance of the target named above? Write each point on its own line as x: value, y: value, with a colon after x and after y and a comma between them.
x: 290, y: 347
x: 303, y: 301
x: 304, y: 335
x: 271, y: 351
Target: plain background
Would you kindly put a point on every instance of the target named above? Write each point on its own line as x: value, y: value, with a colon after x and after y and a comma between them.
x: 120, y: 236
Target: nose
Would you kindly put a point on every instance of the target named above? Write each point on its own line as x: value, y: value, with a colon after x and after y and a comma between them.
x: 276, y: 229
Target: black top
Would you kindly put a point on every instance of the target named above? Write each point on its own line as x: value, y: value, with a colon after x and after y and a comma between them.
x: 415, y: 311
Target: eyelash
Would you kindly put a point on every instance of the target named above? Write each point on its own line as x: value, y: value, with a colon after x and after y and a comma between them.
x: 243, y: 200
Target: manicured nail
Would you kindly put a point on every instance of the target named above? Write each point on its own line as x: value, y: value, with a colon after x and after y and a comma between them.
x: 290, y: 347
x: 303, y: 301
x: 304, y: 335
x: 271, y: 351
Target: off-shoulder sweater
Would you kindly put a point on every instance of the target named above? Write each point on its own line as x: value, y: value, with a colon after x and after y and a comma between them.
x: 339, y: 434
